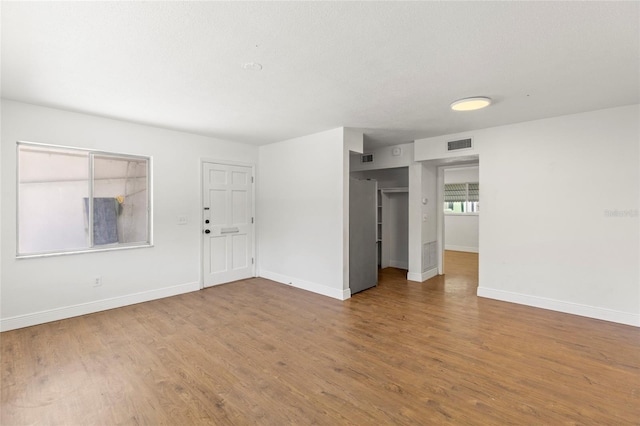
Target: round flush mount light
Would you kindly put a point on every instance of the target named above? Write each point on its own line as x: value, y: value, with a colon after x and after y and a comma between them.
x: 251, y: 66
x: 471, y: 104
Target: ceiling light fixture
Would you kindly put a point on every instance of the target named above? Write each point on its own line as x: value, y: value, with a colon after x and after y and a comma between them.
x: 471, y: 104
x: 251, y: 66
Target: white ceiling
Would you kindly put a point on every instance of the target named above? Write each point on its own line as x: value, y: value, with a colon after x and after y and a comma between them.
x: 388, y: 68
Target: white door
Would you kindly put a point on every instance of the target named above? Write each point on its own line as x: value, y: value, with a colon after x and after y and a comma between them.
x: 227, y: 223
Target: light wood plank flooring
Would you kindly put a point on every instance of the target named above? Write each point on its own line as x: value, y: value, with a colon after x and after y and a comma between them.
x: 258, y: 352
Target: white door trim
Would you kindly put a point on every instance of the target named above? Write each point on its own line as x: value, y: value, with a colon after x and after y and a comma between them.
x: 253, y: 211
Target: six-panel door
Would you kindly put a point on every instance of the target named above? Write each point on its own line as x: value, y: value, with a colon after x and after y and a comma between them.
x: 227, y: 223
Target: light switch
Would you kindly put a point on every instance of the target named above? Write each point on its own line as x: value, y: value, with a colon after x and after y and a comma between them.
x: 424, y: 217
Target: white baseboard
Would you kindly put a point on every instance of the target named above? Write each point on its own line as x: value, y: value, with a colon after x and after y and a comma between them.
x: 307, y: 285
x: 400, y: 264
x: 620, y: 317
x: 461, y: 248
x: 412, y: 276
x: 56, y: 314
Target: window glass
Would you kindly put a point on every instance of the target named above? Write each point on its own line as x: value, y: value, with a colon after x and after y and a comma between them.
x: 55, y: 186
x: 461, y: 197
x: 52, y: 184
x: 120, y: 199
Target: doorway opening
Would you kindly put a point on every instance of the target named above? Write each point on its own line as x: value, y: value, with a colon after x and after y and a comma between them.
x: 459, y: 217
x: 393, y: 224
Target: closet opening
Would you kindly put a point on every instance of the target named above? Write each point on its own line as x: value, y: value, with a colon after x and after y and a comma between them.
x: 392, y: 215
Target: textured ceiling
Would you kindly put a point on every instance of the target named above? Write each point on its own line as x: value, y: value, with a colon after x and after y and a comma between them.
x: 388, y: 68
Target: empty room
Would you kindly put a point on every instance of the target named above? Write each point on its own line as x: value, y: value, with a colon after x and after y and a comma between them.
x: 324, y: 213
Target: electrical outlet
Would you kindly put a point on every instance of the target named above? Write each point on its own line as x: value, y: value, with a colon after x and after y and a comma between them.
x: 182, y: 220
x: 97, y: 282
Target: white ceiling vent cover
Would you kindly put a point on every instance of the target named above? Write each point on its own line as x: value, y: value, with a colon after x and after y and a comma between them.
x: 460, y: 144
x: 366, y: 158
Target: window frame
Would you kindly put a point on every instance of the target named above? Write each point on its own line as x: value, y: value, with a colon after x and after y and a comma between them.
x: 91, y: 154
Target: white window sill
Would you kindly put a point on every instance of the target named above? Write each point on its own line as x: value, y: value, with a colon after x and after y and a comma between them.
x: 89, y: 250
x: 462, y: 214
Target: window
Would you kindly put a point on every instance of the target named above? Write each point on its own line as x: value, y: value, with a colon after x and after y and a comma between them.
x: 461, y: 198
x: 72, y: 200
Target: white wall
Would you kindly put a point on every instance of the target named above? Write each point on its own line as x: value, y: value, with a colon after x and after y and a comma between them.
x: 461, y: 230
x: 387, y: 178
x: 43, y: 289
x: 396, y: 223
x: 422, y: 220
x: 385, y: 158
x: 462, y: 174
x: 560, y: 198
x: 301, y: 187
x: 430, y: 209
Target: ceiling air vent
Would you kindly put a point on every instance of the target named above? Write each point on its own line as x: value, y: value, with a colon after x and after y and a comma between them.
x: 366, y: 158
x: 460, y: 144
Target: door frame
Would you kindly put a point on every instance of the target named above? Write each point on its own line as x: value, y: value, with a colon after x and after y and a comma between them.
x: 254, y: 251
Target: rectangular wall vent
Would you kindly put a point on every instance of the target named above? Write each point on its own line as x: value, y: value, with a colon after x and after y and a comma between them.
x: 459, y: 144
x: 429, y: 255
x: 367, y: 158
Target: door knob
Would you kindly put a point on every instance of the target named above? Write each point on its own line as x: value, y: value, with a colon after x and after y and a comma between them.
x: 206, y: 231
x: 206, y: 221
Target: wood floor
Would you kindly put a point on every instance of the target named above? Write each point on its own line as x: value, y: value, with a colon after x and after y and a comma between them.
x: 257, y: 352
